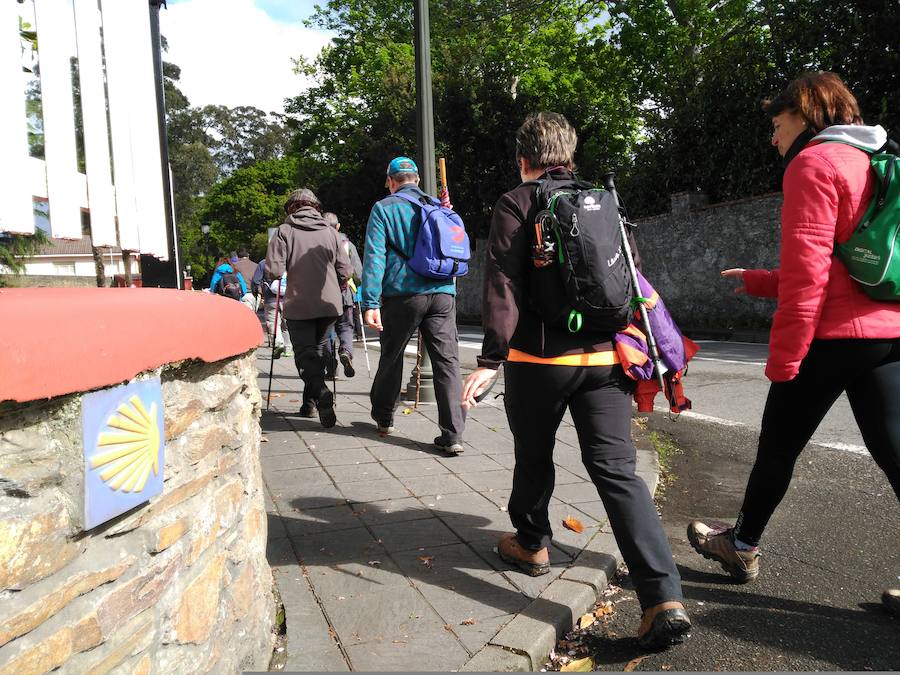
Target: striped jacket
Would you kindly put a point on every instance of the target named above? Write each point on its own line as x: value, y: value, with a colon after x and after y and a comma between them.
x: 393, y: 224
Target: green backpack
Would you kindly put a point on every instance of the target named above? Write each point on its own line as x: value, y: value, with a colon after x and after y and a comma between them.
x: 872, y: 253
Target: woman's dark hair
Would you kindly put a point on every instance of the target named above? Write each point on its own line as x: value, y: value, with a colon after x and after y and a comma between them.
x: 821, y: 99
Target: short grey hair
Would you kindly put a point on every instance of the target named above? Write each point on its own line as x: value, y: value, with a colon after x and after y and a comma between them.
x: 546, y: 139
x: 331, y: 219
x: 404, y: 177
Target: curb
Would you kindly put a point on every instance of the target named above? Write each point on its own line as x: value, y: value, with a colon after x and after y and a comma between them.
x: 524, y: 643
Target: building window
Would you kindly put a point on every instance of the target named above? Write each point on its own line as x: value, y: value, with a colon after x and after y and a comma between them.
x: 67, y: 269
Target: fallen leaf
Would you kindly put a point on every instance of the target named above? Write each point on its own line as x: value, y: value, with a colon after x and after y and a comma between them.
x: 585, y: 665
x: 375, y: 563
x: 467, y: 622
x: 604, y: 609
x: 573, y: 524
x: 447, y: 626
x: 263, y: 439
x: 399, y: 642
x: 275, y: 395
x: 426, y: 560
x: 665, y: 666
x: 407, y: 411
x: 585, y: 621
x: 631, y: 665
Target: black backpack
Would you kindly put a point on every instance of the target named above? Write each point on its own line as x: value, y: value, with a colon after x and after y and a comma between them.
x: 580, y: 281
x: 229, y: 285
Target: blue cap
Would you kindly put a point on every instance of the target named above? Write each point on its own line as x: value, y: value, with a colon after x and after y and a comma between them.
x: 402, y: 165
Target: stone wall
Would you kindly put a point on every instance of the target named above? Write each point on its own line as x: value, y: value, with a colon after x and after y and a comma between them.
x: 180, y: 584
x: 43, y: 280
x: 682, y: 253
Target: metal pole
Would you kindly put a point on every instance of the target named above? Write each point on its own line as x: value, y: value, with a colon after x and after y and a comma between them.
x: 169, y: 272
x: 421, y: 383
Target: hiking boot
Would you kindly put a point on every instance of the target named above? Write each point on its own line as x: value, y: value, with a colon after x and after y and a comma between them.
x: 278, y: 352
x: 533, y: 563
x: 308, y: 409
x: 385, y: 426
x: 325, y: 408
x: 891, y: 601
x: 288, y: 354
x: 347, y: 362
x: 718, y: 544
x: 663, y: 625
x: 451, y: 449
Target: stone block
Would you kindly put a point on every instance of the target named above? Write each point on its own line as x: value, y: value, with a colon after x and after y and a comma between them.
x: 179, y: 417
x: 199, y: 606
x: 167, y: 535
x: 34, y: 543
x: 203, y: 442
x: 135, y: 595
x: 170, y: 497
x: 47, y: 655
x: 133, y: 637
x: 49, y: 604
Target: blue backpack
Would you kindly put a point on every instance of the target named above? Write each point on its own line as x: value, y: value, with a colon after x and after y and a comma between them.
x: 442, y: 246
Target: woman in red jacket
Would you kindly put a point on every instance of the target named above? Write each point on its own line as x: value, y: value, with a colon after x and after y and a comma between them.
x: 828, y: 336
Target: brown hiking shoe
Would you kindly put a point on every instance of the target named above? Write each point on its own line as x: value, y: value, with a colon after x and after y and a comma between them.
x: 717, y: 543
x: 534, y: 563
x: 891, y: 601
x: 663, y: 625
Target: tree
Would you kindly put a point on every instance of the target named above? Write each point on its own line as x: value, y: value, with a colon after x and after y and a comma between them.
x: 14, y: 248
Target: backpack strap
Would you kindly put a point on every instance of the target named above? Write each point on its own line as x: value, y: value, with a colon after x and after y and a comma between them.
x: 415, y: 202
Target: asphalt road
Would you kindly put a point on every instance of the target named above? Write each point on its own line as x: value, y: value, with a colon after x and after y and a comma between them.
x: 830, y: 549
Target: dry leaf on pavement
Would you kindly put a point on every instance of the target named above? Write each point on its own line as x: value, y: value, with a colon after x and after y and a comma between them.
x: 275, y: 395
x: 426, y: 560
x: 585, y: 621
x: 467, y: 622
x: 585, y: 665
x: 263, y: 439
x: 407, y: 411
x: 631, y: 665
x: 603, y: 609
x: 573, y: 524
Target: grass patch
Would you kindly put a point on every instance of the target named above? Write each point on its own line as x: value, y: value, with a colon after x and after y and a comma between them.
x: 666, y: 450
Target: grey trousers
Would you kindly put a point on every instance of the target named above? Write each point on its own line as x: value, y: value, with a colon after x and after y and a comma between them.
x: 435, y: 316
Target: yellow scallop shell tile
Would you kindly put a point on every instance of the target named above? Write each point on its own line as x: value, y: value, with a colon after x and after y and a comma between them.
x: 130, y: 447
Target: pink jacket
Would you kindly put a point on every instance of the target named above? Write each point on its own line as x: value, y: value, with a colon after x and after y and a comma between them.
x: 827, y: 188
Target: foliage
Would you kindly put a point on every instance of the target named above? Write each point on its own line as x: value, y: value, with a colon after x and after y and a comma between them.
x: 14, y: 248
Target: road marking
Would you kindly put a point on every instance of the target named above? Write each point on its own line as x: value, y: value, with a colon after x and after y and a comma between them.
x: 846, y: 447
x: 703, y: 418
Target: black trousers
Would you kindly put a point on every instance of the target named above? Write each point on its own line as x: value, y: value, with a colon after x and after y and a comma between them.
x: 599, y: 398
x: 869, y: 371
x: 308, y: 337
x: 435, y: 317
x: 343, y: 327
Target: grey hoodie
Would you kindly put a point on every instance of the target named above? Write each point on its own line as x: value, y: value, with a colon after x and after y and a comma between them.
x: 862, y: 137
x: 310, y: 251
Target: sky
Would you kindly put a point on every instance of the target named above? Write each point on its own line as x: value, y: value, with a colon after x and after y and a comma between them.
x: 238, y: 52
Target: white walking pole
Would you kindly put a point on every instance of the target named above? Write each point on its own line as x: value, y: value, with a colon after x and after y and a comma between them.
x: 362, y: 330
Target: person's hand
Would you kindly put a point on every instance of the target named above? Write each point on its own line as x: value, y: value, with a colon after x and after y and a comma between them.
x: 476, y: 383
x: 373, y: 319
x: 736, y: 273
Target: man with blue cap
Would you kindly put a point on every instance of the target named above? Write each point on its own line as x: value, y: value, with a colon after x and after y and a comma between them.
x: 397, y: 301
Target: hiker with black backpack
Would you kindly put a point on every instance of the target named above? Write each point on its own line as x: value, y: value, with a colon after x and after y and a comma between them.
x: 226, y: 281
x: 831, y: 333
x: 557, y: 287
x: 414, y: 248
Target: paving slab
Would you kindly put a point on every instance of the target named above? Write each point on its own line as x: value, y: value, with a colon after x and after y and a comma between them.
x: 384, y: 548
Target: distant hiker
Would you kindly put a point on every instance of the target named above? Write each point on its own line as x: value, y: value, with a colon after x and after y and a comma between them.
x: 247, y: 268
x: 268, y: 296
x: 226, y: 281
x: 550, y: 368
x: 311, y: 253
x: 344, y: 325
x: 828, y: 336
x: 398, y: 300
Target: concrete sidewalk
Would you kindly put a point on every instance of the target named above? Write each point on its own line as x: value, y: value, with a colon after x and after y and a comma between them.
x: 383, y: 549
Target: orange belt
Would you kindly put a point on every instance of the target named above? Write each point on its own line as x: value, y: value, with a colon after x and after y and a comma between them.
x: 608, y: 358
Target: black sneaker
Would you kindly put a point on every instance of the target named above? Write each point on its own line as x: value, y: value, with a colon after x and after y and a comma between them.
x: 325, y: 407
x: 347, y: 362
x: 451, y: 449
x: 308, y: 409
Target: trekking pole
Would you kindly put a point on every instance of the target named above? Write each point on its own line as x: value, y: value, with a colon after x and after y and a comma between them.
x: 418, y: 368
x: 610, y: 186
x: 362, y: 331
x: 274, y: 335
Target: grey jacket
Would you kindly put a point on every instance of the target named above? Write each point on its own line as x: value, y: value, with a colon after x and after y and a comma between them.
x: 356, y: 265
x: 310, y: 251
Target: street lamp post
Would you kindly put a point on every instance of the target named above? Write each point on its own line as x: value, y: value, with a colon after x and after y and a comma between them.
x: 424, y: 379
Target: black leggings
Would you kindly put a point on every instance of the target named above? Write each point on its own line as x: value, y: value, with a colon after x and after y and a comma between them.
x: 869, y: 371
x: 599, y: 398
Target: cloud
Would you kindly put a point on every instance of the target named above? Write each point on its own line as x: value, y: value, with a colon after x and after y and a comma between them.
x: 233, y: 53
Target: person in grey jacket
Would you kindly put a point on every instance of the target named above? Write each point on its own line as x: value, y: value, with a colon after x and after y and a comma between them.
x: 344, y: 325
x: 317, y: 266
